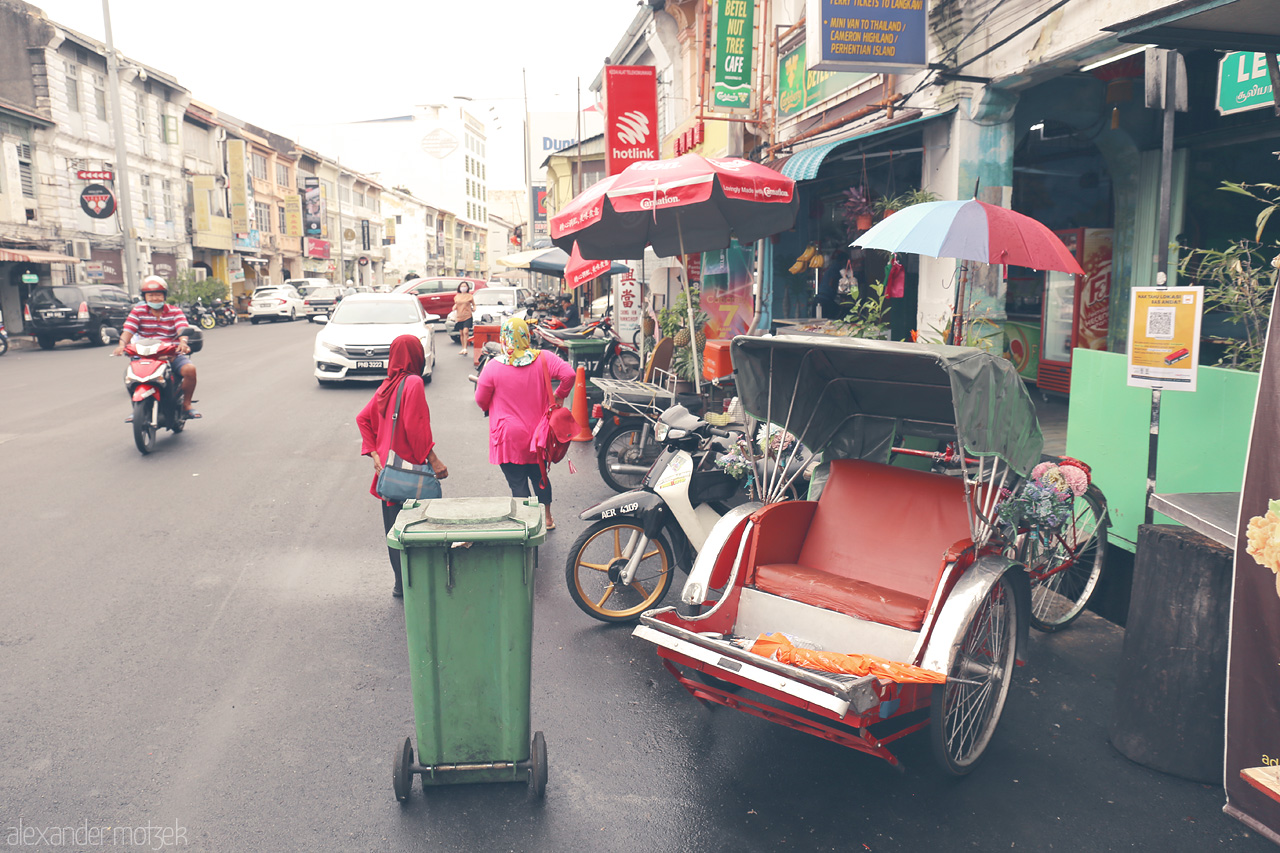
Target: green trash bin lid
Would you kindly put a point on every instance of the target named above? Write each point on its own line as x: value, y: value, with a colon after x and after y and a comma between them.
x: 492, y: 520
x: 586, y: 346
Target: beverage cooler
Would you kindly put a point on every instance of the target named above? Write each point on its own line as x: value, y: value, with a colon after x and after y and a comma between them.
x: 1075, y: 307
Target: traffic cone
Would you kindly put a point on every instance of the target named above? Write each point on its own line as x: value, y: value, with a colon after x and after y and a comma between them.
x: 580, y: 406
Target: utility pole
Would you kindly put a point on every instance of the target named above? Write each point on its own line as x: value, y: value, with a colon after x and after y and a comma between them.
x: 342, y: 238
x: 528, y: 185
x: 128, y: 251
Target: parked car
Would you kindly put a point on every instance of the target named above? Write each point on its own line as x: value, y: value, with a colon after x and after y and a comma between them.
x: 356, y: 341
x: 436, y: 294
x: 78, y: 312
x: 276, y: 302
x: 304, y: 286
x: 321, y: 300
x: 600, y: 305
x: 492, y: 305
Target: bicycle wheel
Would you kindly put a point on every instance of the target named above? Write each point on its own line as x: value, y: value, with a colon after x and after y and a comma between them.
x: 596, y: 561
x: 964, y: 711
x: 1066, y: 564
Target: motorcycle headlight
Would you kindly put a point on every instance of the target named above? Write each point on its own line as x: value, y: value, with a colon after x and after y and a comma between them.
x: 660, y: 431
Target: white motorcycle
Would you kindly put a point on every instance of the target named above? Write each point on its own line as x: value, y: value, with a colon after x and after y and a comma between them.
x: 623, y: 564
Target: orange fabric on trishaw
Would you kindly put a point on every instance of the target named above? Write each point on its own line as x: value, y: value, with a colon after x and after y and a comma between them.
x: 778, y: 647
x: 876, y: 546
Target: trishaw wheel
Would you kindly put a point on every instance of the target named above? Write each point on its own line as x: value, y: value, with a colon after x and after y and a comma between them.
x: 1070, y: 563
x: 595, y: 562
x: 538, y: 766
x: 966, y: 709
x: 401, y: 778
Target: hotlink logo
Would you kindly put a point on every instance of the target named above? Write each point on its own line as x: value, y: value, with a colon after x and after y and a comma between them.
x: 633, y: 127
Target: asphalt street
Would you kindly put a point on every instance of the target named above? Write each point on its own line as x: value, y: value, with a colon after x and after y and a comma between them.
x: 203, y: 642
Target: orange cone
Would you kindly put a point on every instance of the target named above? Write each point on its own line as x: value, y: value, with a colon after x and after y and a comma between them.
x: 580, y: 406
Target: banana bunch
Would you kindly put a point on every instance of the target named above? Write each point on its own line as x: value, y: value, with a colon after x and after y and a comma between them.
x: 810, y: 258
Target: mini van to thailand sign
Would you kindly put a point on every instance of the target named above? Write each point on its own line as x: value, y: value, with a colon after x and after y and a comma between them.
x: 866, y: 35
x: 1244, y: 83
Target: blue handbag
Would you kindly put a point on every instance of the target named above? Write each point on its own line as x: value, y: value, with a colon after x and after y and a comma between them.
x: 400, y: 480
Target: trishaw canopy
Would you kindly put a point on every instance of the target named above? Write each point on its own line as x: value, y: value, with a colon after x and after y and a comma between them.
x: 850, y: 397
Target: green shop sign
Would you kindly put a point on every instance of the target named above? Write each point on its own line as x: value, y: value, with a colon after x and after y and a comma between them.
x: 1244, y: 83
x: 800, y: 88
x: 735, y: 24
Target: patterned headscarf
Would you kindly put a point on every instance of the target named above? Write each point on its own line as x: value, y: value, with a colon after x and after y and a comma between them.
x: 516, y: 349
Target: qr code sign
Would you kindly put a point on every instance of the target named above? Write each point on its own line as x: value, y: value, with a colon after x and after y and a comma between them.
x: 1160, y: 323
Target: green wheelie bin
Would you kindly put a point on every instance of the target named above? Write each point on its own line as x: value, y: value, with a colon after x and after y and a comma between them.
x: 468, y: 566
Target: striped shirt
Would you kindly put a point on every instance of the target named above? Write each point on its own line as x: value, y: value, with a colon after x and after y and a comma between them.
x: 143, y: 322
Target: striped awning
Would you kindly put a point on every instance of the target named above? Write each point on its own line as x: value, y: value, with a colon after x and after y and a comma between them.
x: 35, y: 256
x: 804, y: 165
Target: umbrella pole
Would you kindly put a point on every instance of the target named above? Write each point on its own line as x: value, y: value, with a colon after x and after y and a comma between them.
x: 688, y: 303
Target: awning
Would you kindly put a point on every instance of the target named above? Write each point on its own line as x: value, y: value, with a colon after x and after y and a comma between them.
x: 254, y: 259
x: 1215, y: 24
x: 804, y: 165
x: 33, y: 256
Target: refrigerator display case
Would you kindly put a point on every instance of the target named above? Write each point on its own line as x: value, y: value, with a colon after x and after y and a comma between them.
x: 1075, y: 307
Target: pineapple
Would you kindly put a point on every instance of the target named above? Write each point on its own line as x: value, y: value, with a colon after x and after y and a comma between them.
x: 681, y: 338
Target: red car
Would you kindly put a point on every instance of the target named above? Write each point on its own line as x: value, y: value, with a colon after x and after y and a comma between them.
x: 436, y: 294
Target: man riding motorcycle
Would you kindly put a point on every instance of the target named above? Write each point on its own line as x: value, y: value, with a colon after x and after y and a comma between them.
x: 155, y: 318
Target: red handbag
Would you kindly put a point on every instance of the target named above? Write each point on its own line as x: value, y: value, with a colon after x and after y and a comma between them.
x: 554, y: 431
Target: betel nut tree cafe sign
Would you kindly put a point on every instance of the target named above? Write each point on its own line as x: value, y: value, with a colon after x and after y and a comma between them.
x: 866, y: 35
x: 1244, y: 83
x: 735, y: 25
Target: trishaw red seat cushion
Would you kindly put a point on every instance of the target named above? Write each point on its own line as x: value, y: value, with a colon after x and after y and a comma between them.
x: 877, y: 544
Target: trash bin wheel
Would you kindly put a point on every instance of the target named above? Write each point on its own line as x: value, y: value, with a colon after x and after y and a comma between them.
x: 538, y: 766
x: 401, y: 778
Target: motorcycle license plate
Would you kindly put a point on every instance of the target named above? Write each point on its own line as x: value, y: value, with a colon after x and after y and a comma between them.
x: 595, y: 430
x: 370, y: 364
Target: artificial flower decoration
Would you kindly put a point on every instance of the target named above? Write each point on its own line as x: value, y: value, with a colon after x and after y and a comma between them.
x: 1264, y: 540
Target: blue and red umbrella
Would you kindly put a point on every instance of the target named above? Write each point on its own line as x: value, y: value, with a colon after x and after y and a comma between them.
x: 972, y: 231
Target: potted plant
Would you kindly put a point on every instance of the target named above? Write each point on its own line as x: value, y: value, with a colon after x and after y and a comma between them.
x: 885, y: 207
x: 674, y: 323
x: 856, y: 210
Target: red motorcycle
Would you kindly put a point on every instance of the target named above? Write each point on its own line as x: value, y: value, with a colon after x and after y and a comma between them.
x: 155, y: 388
x: 619, y: 360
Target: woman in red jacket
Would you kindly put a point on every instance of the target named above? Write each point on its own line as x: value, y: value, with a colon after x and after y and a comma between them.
x: 412, y: 440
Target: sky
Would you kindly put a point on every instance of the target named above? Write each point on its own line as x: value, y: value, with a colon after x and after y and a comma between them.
x: 287, y: 67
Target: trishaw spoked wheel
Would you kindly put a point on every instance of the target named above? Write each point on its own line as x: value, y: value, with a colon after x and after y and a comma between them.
x: 596, y: 560
x: 966, y: 709
x: 1070, y: 563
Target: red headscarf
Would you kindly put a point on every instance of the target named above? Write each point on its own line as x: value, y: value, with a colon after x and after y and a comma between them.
x: 407, y: 359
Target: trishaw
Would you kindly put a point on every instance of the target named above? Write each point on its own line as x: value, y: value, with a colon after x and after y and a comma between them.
x: 896, y: 598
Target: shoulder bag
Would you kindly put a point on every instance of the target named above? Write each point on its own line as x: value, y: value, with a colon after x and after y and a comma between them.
x: 401, y: 480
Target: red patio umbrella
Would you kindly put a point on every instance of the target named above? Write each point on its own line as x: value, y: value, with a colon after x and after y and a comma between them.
x: 688, y: 204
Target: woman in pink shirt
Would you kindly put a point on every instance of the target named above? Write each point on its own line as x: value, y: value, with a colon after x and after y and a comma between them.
x: 412, y: 440
x: 513, y: 389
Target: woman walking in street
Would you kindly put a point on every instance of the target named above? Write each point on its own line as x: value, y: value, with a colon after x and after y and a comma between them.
x: 514, y: 388
x: 463, y: 308
x: 408, y: 435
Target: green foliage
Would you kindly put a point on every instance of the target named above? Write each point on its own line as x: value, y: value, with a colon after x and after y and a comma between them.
x: 675, y: 317
x: 184, y: 289
x: 867, y: 318
x: 1240, y: 280
x: 897, y: 202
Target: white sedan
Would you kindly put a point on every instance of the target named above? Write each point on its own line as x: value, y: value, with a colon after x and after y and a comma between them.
x: 278, y: 302
x: 355, y: 343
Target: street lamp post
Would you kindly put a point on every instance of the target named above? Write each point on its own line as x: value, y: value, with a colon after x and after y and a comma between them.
x: 127, y: 249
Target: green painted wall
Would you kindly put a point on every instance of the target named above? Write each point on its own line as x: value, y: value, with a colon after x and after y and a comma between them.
x: 1203, y: 435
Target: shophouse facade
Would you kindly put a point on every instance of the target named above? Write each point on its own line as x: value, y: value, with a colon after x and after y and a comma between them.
x: 1030, y: 104
x: 58, y: 145
x: 204, y: 149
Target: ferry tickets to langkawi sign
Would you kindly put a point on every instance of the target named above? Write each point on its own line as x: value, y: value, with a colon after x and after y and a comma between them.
x: 866, y: 35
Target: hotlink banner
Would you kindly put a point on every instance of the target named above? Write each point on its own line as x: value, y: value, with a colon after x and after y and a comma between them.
x: 1253, y: 661
x: 631, y: 115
